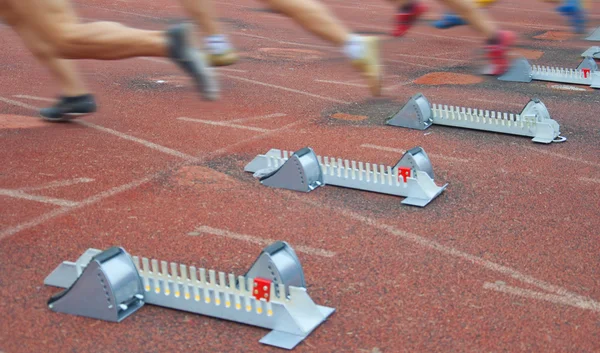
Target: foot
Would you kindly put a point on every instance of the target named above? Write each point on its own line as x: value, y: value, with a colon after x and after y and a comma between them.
x: 368, y: 63
x: 68, y: 108
x: 497, y: 53
x: 449, y: 20
x: 227, y: 58
x: 406, y: 17
x: 575, y: 13
x: 192, y: 61
x: 220, y: 51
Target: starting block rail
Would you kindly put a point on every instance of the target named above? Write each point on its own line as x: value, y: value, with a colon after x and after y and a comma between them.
x: 533, y: 121
x: 522, y: 71
x: 270, y: 302
x: 411, y: 177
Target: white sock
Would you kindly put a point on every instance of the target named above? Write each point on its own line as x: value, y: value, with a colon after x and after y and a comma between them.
x: 217, y: 44
x: 354, y: 48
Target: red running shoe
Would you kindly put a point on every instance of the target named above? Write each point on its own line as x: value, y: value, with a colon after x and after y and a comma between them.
x: 405, y: 20
x: 497, y: 54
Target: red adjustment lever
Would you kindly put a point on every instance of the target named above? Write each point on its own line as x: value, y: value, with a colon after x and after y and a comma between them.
x: 586, y: 72
x: 403, y: 172
x: 262, y: 289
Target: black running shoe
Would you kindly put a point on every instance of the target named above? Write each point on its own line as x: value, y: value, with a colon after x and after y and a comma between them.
x: 192, y: 60
x: 69, y: 108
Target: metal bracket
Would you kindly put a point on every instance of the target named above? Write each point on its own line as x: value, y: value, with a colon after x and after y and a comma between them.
x: 261, y: 301
x: 416, y: 159
x: 278, y: 263
x: 109, y: 288
x: 589, y: 63
x: 594, y: 36
x: 594, y: 52
x: 533, y: 121
x: 521, y: 71
x: 416, y: 185
x: 301, y: 172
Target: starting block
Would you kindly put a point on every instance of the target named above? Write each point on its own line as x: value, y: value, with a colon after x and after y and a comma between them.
x: 110, y: 285
x: 411, y: 177
x: 593, y: 52
x: 533, y: 121
x: 586, y: 73
x: 594, y: 36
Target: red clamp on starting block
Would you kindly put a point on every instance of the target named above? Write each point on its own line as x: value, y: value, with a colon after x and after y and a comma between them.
x: 262, y: 289
x: 586, y: 72
x: 403, y: 172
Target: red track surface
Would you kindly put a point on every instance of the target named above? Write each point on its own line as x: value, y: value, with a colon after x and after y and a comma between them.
x: 506, y: 259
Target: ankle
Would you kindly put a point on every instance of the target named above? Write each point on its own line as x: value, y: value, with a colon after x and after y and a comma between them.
x: 354, y: 47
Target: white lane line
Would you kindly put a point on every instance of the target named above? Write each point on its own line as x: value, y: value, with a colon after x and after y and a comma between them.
x: 223, y: 123
x: 260, y: 241
x: 553, y: 298
x: 558, y: 155
x: 288, y: 89
x: 254, y: 118
x: 401, y: 151
x: 25, y: 96
x: 121, y: 135
x: 573, y: 299
x: 143, y: 142
x: 64, y: 210
x: 122, y: 188
x: 166, y: 61
x: 43, y: 199
x: 343, y: 83
x: 324, y: 47
x: 590, y: 180
x: 260, y: 83
x: 56, y: 184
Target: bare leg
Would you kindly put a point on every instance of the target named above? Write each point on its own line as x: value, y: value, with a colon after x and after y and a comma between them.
x: 55, y: 23
x: 468, y: 11
x: 476, y: 18
x: 314, y: 17
x: 70, y: 81
x: 202, y: 11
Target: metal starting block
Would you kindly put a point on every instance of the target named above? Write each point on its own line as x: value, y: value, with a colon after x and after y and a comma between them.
x: 586, y: 73
x: 533, y: 121
x: 411, y: 177
x: 593, y: 52
x: 106, y: 288
x: 272, y: 295
x: 594, y: 36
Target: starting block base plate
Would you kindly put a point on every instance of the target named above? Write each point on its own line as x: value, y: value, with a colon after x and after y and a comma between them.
x: 287, y: 340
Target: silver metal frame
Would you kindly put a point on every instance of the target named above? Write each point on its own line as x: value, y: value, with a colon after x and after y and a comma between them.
x: 522, y: 71
x: 533, y: 121
x: 417, y: 186
x: 285, y: 309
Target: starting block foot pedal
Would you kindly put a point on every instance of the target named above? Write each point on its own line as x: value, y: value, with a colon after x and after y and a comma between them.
x: 594, y: 36
x: 594, y: 52
x: 278, y: 263
x: 109, y: 288
x: 520, y: 71
x: 301, y: 172
x: 588, y: 63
